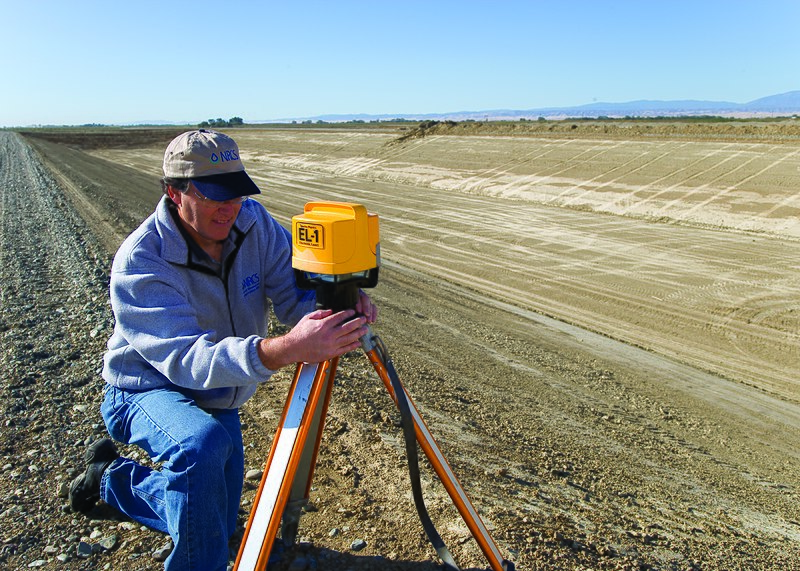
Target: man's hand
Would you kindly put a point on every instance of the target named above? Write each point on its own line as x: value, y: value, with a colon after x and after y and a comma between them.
x: 319, y: 336
x: 365, y: 307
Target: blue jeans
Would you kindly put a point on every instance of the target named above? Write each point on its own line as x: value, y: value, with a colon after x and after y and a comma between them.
x: 195, y: 495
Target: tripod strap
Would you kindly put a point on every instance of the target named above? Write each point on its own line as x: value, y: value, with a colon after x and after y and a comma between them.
x: 407, y: 422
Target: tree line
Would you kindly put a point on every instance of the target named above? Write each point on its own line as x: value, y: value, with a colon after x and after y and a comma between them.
x: 232, y: 122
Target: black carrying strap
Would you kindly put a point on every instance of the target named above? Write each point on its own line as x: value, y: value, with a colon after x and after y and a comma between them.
x: 407, y: 422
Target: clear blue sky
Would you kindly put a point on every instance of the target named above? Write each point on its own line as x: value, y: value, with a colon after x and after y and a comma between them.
x: 75, y: 62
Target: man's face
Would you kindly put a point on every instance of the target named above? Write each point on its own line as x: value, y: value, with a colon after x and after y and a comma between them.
x: 208, y: 221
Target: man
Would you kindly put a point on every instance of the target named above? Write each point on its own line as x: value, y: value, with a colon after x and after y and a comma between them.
x: 191, y: 291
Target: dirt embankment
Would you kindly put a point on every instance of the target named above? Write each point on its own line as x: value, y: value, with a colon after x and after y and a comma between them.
x: 579, y: 451
x: 697, y: 129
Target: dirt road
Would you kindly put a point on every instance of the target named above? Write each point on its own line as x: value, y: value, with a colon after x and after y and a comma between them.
x: 675, y: 450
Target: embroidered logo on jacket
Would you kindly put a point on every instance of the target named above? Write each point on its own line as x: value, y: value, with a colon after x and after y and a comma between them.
x: 250, y: 284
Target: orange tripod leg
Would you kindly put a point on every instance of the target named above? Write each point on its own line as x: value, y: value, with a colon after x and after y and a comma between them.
x: 442, y: 468
x: 286, y: 455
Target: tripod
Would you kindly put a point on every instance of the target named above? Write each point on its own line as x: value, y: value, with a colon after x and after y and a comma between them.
x: 336, y: 251
x: 286, y: 483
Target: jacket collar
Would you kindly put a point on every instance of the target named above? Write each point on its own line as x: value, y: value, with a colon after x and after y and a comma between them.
x: 174, y: 246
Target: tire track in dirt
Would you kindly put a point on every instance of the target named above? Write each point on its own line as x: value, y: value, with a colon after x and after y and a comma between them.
x: 671, y: 282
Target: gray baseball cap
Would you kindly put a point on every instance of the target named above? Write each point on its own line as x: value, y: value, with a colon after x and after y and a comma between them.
x: 211, y: 161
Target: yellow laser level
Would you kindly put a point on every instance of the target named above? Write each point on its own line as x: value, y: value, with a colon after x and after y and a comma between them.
x: 335, y: 250
x: 335, y: 238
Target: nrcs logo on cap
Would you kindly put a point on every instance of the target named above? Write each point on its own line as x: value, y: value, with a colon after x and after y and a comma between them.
x: 225, y: 156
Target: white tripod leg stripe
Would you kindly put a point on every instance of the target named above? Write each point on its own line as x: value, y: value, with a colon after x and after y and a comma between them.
x: 277, y: 471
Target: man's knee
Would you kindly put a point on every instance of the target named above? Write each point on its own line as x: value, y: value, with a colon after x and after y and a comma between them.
x: 206, y: 448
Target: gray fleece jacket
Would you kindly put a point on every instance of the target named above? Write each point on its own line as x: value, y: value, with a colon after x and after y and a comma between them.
x: 182, y: 320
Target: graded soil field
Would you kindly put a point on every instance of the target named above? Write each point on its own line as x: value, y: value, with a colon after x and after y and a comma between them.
x: 599, y: 324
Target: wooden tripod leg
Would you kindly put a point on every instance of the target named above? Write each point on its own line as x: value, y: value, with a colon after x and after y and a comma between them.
x: 441, y: 467
x: 286, y: 454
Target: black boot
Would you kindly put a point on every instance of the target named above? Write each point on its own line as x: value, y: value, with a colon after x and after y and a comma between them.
x: 84, y: 492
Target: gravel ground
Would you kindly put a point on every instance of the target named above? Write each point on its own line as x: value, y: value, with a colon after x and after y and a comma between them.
x: 54, y: 322
x: 577, y: 456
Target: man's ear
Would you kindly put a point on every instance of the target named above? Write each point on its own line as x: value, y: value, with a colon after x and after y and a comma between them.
x: 175, y: 195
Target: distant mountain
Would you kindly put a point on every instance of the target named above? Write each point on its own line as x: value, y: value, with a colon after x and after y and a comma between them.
x: 655, y: 106
x: 773, y: 105
x: 783, y: 104
x: 786, y: 103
